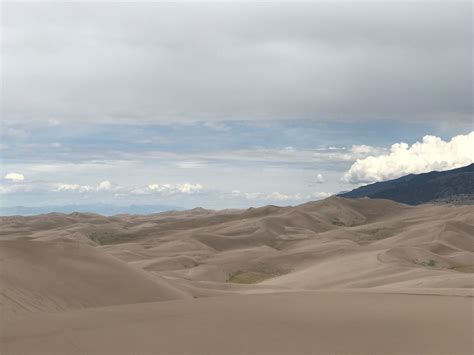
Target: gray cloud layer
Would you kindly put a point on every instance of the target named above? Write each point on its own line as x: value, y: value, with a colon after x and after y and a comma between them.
x: 160, y: 62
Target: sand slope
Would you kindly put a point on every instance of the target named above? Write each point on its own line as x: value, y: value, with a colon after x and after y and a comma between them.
x: 292, y: 323
x: 58, y: 276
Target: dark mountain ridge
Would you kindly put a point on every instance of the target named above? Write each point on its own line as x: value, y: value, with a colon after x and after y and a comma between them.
x: 456, y: 185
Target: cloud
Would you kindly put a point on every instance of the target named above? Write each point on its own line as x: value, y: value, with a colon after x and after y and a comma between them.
x: 191, y: 164
x: 14, y: 177
x: 261, y: 196
x: 320, y: 179
x: 276, y: 196
x: 61, y: 187
x: 363, y: 149
x: 171, y: 189
x: 273, y: 196
x: 52, y: 122
x: 105, y: 185
x: 17, y: 133
x: 432, y: 153
x: 318, y: 195
x: 15, y: 188
x: 284, y: 155
x: 223, y: 61
x: 182, y: 192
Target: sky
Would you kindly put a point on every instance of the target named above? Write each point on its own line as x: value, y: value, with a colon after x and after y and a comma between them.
x: 229, y: 104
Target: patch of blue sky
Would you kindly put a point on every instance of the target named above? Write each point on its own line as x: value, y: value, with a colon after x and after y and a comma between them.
x: 229, y: 135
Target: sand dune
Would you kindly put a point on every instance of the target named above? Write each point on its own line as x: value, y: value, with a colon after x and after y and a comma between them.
x: 58, y: 276
x: 237, y: 258
x: 335, y: 243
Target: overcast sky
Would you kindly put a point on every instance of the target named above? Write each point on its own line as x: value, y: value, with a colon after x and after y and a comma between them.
x: 229, y: 104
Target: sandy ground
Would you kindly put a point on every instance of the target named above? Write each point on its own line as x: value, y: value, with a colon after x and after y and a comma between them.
x: 333, y: 276
x: 291, y: 323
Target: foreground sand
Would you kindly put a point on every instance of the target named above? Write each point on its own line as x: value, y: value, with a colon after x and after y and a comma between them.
x: 289, y: 323
x: 334, y: 276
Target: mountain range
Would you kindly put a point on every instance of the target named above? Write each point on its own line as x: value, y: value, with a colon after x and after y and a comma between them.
x: 99, y: 208
x: 452, y: 186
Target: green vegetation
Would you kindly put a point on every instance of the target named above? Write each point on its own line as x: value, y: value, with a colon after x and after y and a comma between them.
x: 247, y: 277
x: 253, y: 277
x: 376, y: 234
x: 104, y: 237
x: 468, y: 268
x: 429, y: 263
x: 338, y: 222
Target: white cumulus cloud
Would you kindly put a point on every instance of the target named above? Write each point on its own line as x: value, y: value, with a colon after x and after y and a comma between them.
x: 273, y: 196
x: 14, y: 177
x: 432, y: 153
x: 61, y: 187
x: 105, y: 185
x: 320, y: 179
x: 15, y: 188
x: 363, y: 149
x: 185, y: 188
x: 318, y: 195
x: 278, y: 196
